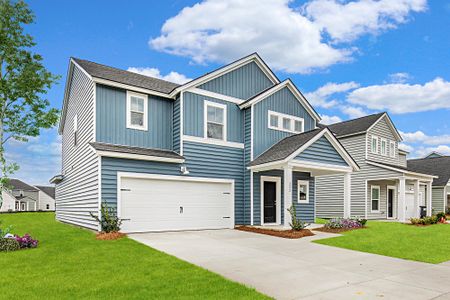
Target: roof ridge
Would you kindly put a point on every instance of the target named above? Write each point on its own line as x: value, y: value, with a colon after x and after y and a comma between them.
x: 371, y: 115
x: 428, y: 158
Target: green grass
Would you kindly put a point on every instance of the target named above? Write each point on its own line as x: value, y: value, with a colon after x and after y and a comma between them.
x: 429, y: 244
x: 70, y: 263
x: 320, y: 221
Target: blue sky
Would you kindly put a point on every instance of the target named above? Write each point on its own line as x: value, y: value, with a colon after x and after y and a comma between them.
x: 350, y: 58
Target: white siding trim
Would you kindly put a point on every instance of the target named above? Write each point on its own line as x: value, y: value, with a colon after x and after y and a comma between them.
x: 129, y: 87
x: 215, y: 95
x: 196, y: 139
x: 207, y: 103
x: 139, y: 157
x: 251, y: 198
x: 299, y: 183
x: 375, y: 187
x: 280, y: 117
x: 181, y: 122
x: 144, y: 97
x: 251, y: 132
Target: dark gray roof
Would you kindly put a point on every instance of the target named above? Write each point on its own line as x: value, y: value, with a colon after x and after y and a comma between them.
x: 136, y: 150
x: 439, y: 166
x: 353, y: 126
x: 408, y: 168
x: 49, y: 190
x: 17, y: 184
x: 285, y: 147
x: 126, y: 77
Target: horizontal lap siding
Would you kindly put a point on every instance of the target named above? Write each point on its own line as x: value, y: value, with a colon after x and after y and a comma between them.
x: 322, y: 151
x: 383, y: 130
x: 438, y: 197
x: 330, y: 196
x: 77, y: 194
x: 212, y: 161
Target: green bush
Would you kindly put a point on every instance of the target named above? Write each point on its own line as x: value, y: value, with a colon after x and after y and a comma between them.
x: 296, y: 224
x: 440, y: 216
x: 8, y: 245
x: 109, y: 221
x: 425, y: 220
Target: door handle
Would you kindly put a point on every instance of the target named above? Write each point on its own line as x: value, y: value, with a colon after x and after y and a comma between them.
x: 181, y: 209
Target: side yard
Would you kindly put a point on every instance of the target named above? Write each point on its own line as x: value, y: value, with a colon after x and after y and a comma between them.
x: 71, y: 263
x: 429, y: 244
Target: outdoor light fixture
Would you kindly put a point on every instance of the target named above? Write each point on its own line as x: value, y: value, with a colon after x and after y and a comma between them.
x: 184, y: 170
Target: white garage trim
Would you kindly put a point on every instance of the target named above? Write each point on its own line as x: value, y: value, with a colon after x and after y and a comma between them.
x: 121, y: 175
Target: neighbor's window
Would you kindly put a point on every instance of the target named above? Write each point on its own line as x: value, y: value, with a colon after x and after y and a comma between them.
x: 303, y: 191
x: 375, y: 199
x: 383, y: 147
x: 215, y: 120
x: 75, y: 130
x: 374, y: 144
x: 136, y: 111
x: 392, y: 149
x: 284, y: 122
x: 48, y: 206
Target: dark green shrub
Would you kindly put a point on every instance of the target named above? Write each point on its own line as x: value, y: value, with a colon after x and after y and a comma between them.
x: 440, y: 216
x: 296, y: 224
x: 8, y: 245
x: 109, y: 222
x: 362, y: 221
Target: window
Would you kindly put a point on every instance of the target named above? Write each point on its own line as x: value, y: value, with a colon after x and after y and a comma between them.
x: 47, y: 206
x: 392, y: 148
x: 215, y: 125
x: 383, y: 147
x: 287, y: 123
x: 375, y: 198
x: 23, y: 207
x: 136, y: 111
x: 75, y: 130
x: 303, y: 191
x: 17, y: 206
x: 374, y: 144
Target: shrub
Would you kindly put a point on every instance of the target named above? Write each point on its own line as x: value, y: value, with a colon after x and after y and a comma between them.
x: 296, y: 224
x: 4, y: 231
x: 8, y: 245
x: 109, y: 221
x: 424, y: 221
x: 26, y: 241
x: 441, y: 217
x: 345, y: 223
x: 361, y: 221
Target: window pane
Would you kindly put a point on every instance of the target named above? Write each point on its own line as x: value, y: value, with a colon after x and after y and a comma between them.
x: 215, y: 131
x: 137, y: 104
x: 383, y: 147
x: 287, y: 123
x: 375, y: 205
x: 375, y: 194
x: 137, y: 119
x: 303, y: 190
x: 374, y: 145
x: 273, y: 121
x: 298, y: 126
x: 215, y: 114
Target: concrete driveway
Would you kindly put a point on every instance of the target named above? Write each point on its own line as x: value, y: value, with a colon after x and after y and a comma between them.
x: 299, y: 269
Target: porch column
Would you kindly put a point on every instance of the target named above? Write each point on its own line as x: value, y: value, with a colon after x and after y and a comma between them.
x: 287, y: 186
x: 401, y: 200
x: 347, y: 194
x: 416, y: 198
x: 429, y: 198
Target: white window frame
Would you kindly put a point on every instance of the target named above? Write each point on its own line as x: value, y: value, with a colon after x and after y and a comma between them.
x: 392, y: 152
x: 75, y: 130
x: 205, y: 119
x: 385, y: 146
x: 375, y: 187
x: 372, y: 138
x: 303, y: 182
x: 144, y: 127
x: 280, y: 122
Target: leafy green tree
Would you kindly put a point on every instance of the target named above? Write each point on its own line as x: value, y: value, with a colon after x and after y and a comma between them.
x: 23, y: 82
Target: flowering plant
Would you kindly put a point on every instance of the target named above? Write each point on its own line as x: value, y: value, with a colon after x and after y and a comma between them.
x: 26, y: 241
x: 344, y: 223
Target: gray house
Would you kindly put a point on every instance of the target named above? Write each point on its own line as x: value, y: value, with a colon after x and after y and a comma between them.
x: 385, y: 187
x: 234, y: 146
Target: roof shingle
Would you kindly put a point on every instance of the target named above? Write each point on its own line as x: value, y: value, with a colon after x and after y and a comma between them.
x: 439, y: 166
x: 353, y: 126
x: 17, y: 184
x: 136, y: 150
x: 49, y: 190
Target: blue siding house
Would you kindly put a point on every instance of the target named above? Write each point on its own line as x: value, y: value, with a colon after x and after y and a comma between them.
x: 235, y: 146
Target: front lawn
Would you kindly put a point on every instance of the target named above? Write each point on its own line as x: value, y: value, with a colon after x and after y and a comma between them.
x: 70, y: 263
x: 429, y: 244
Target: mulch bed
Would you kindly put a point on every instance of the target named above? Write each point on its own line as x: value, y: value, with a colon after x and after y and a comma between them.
x: 287, y: 234
x: 109, y: 236
x: 336, y: 230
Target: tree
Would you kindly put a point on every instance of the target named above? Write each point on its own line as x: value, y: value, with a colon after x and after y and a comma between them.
x: 23, y: 82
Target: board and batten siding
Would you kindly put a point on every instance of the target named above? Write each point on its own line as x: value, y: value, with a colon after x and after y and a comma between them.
x: 382, y: 130
x: 193, y: 117
x: 77, y: 194
x: 322, y: 151
x: 242, y: 83
x: 282, y: 101
x: 111, y: 120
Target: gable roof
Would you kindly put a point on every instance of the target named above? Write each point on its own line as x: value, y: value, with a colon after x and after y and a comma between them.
x: 49, y: 190
x: 439, y: 166
x: 17, y: 184
x: 434, y: 154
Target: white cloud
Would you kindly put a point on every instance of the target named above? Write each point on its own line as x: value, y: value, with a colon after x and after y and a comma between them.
x: 423, y: 151
x: 405, y: 147
x: 330, y: 119
x: 320, y: 97
x: 420, y: 137
x: 154, y: 72
x: 400, y: 77
x: 353, y: 111
x: 404, y: 98
x: 347, y: 21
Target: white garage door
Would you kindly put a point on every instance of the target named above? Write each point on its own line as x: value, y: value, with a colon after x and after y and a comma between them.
x: 162, y: 204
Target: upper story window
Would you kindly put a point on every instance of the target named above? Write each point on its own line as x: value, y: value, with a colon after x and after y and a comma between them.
x: 303, y: 191
x: 374, y: 144
x: 383, y: 147
x: 392, y: 148
x: 75, y: 130
x: 137, y: 111
x: 215, y: 121
x: 283, y: 122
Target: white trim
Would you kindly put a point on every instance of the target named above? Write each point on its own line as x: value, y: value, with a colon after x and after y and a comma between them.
x: 139, y: 157
x: 400, y: 170
x: 130, y: 87
x: 303, y: 182
x: 215, y: 95
x: 394, y: 201
x: 319, y: 166
x: 121, y: 175
x: 392, y: 154
x: 251, y: 199
x: 94, y: 116
x: 365, y: 199
x: 385, y: 147
x: 278, y: 200
x: 99, y: 183
x: 207, y: 103
x: 144, y: 97
x: 196, y: 139
x: 372, y: 138
x: 181, y: 123
x: 281, y: 117
x: 315, y: 206
x: 375, y: 187
x: 347, y: 195
x: 251, y: 132
x: 81, y: 69
x: 399, y: 137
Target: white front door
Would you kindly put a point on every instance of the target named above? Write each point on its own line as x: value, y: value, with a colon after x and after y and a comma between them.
x: 411, y: 209
x: 175, y: 204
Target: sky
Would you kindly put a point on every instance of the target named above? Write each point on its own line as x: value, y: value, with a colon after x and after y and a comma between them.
x: 349, y: 58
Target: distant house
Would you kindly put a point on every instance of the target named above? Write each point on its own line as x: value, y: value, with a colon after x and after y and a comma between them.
x: 21, y: 196
x: 46, y: 198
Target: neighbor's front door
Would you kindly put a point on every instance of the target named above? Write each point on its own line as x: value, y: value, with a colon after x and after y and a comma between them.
x: 390, y: 203
x: 270, y: 202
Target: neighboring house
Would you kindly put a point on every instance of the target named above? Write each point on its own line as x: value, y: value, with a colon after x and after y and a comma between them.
x: 46, y: 198
x: 21, y: 196
x: 234, y: 146
x: 438, y: 165
x: 9, y: 201
x: 385, y: 187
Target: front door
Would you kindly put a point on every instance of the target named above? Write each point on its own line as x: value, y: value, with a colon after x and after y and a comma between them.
x: 390, y: 203
x: 270, y: 202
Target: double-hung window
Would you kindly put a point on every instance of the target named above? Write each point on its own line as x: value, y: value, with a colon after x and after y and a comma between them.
x: 392, y: 149
x: 137, y: 111
x: 303, y: 191
x: 375, y: 198
x: 374, y: 144
x: 284, y: 122
x: 215, y: 121
x: 383, y: 147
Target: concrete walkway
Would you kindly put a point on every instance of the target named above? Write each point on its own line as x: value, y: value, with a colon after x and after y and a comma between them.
x: 299, y: 269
